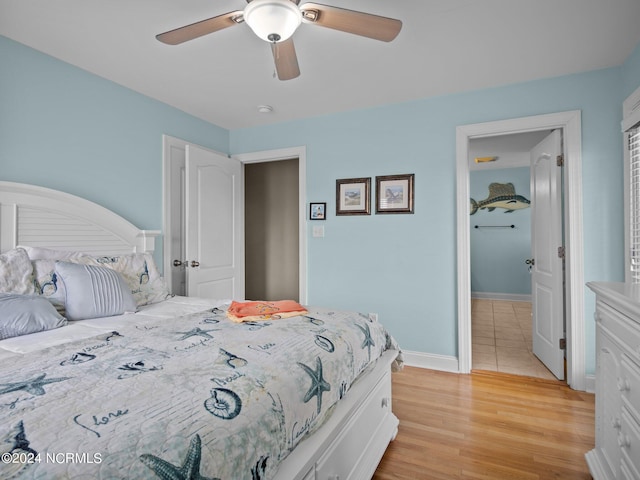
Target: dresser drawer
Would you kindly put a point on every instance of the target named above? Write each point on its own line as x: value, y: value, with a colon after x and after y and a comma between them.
x: 629, y: 385
x: 622, y: 328
x: 629, y: 442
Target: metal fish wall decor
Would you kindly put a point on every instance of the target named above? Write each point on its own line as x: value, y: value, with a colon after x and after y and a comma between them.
x: 501, y: 195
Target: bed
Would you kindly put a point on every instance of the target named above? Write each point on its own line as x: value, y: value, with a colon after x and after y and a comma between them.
x: 142, y: 384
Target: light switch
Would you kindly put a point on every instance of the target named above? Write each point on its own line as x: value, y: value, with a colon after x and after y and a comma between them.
x: 318, y: 231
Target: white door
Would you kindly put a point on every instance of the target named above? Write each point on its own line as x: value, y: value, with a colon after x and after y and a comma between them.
x: 214, y: 225
x: 547, y: 272
x: 174, y: 223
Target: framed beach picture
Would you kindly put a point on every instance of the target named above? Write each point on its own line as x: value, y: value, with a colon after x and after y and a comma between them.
x: 353, y: 196
x: 317, y: 211
x: 394, y: 194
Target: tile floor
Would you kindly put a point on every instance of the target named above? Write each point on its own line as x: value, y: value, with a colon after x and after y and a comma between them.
x: 501, y: 338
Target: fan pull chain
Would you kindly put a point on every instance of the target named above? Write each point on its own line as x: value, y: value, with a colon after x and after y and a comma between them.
x: 277, y: 55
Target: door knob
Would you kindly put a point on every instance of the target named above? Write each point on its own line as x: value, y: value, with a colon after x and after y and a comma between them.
x: 530, y: 261
x: 177, y: 263
x: 195, y: 264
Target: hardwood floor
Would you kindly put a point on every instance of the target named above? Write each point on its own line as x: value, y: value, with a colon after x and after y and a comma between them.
x: 487, y: 426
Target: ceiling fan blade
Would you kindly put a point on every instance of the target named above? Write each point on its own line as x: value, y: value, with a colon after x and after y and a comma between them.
x: 284, y: 55
x: 198, y: 29
x: 350, y: 21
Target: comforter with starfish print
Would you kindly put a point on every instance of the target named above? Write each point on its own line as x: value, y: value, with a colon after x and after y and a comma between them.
x: 195, y: 396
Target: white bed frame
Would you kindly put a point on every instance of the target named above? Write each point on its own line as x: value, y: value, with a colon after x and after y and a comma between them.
x: 349, y: 445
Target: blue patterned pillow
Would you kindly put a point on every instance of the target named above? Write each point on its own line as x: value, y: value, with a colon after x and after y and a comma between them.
x: 139, y: 271
x: 93, y: 292
x: 24, y: 314
x: 48, y: 284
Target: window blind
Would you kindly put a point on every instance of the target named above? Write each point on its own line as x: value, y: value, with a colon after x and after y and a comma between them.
x: 634, y: 221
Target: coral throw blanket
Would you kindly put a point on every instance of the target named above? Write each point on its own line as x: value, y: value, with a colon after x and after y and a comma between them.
x: 251, y: 311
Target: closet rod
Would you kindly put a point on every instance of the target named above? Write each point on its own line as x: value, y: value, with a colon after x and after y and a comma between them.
x: 495, y: 226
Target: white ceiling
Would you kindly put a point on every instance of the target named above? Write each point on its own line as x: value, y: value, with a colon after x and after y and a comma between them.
x: 445, y: 46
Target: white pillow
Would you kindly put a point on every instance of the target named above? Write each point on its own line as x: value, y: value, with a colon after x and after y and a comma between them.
x: 24, y: 314
x: 41, y: 253
x: 46, y: 281
x: 93, y: 292
x: 16, y: 272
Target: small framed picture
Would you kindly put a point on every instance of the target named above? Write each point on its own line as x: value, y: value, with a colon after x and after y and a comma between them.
x: 353, y: 196
x: 317, y: 211
x: 394, y: 194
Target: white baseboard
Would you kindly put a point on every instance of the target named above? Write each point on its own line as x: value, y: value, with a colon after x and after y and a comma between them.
x: 509, y: 297
x: 447, y: 363
x: 431, y: 361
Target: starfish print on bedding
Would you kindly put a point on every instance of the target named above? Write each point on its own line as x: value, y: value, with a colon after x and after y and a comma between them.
x: 368, y: 341
x: 196, y: 331
x: 190, y: 469
x: 34, y: 386
x: 318, y: 384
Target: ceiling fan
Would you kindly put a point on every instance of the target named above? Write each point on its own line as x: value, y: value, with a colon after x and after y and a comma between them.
x: 275, y: 21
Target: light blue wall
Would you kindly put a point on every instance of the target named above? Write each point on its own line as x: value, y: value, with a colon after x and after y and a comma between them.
x: 64, y: 128
x: 498, y: 254
x: 404, y: 266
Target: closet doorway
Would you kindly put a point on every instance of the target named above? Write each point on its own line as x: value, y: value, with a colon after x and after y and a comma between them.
x: 570, y: 125
x: 271, y: 228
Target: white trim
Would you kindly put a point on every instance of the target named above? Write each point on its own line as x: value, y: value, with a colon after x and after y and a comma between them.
x: 507, y: 297
x: 432, y: 361
x: 590, y: 383
x: 167, y: 200
x: 631, y: 110
x: 284, y: 154
x: 630, y: 117
x: 570, y: 122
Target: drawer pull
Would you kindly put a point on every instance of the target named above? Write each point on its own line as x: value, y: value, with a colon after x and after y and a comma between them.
x: 623, y: 385
x: 615, y: 423
x: 624, y: 441
x: 385, y: 402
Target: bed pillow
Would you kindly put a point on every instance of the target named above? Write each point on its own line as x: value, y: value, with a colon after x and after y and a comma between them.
x: 16, y: 272
x: 24, y: 314
x: 46, y: 281
x: 139, y: 272
x: 48, y: 284
x: 41, y: 253
x: 93, y: 292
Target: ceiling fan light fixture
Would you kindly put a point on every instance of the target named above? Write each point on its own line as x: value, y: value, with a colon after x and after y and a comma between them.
x: 273, y: 20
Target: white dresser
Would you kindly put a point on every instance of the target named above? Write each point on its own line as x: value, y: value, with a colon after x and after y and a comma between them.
x: 617, y: 451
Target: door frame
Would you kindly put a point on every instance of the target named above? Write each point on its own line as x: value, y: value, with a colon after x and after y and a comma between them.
x: 285, y: 154
x: 570, y: 123
x: 168, y: 142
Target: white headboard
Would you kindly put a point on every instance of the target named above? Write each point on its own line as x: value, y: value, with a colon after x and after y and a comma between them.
x: 41, y: 217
